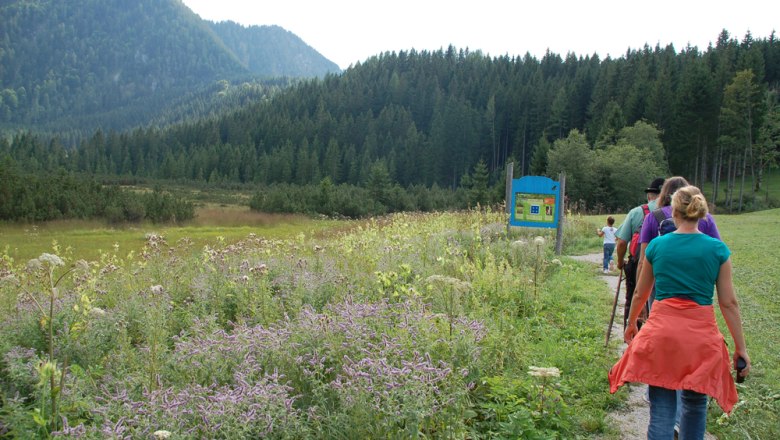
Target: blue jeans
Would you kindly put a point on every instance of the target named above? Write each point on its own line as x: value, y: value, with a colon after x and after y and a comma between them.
x: 663, y: 412
x: 608, y: 249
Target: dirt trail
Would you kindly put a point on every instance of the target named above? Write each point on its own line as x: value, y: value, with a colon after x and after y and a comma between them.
x: 634, y: 419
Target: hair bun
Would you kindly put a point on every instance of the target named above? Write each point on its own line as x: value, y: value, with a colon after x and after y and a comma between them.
x: 697, y: 207
x: 690, y: 202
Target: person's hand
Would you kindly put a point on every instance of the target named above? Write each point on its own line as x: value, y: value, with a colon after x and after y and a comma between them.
x: 631, y: 331
x: 743, y: 354
x: 621, y: 263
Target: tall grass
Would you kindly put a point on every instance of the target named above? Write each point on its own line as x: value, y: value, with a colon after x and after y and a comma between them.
x: 409, y: 326
x: 753, y: 240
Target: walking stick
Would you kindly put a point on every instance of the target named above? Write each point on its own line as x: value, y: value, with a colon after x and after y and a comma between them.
x: 614, y: 307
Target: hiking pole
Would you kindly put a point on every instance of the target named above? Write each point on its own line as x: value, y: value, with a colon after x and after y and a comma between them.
x: 614, y: 307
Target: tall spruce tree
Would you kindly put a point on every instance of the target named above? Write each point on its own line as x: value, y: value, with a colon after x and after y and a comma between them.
x: 742, y: 113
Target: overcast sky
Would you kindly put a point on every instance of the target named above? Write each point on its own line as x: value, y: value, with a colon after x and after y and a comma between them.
x: 348, y: 31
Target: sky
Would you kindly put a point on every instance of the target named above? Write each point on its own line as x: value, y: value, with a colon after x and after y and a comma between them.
x: 351, y: 31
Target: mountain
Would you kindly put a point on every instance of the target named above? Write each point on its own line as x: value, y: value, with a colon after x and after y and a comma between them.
x: 271, y: 51
x: 399, y: 123
x: 116, y: 64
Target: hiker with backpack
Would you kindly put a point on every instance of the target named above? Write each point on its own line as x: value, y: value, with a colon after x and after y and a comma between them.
x: 660, y: 222
x: 680, y: 346
x: 627, y: 239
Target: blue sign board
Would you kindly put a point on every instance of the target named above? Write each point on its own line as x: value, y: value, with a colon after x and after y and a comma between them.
x: 535, y: 202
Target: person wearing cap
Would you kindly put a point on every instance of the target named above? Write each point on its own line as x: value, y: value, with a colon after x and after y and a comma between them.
x: 631, y: 224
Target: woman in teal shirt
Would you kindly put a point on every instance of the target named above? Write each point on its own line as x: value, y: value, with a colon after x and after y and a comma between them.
x: 680, y: 346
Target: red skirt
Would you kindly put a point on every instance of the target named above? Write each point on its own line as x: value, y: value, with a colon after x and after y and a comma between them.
x: 679, y: 348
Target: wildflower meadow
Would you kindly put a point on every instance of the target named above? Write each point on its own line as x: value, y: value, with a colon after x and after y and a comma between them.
x: 409, y: 326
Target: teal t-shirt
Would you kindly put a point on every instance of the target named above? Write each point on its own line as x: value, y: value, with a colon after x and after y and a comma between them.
x: 633, y: 221
x: 686, y: 265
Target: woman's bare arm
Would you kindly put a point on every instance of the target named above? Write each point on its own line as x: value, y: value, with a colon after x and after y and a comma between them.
x: 729, y: 307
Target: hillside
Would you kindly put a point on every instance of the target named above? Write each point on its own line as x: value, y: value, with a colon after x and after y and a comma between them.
x: 271, y: 51
x: 399, y: 123
x: 113, y: 64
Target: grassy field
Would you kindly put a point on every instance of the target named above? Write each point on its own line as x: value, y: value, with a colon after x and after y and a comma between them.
x: 89, y: 239
x: 767, y: 197
x: 410, y: 326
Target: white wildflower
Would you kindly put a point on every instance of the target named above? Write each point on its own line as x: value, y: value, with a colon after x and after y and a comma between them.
x: 82, y: 266
x: 52, y: 259
x: 97, y: 311
x: 544, y: 371
x: 519, y: 243
x: 156, y: 289
x: 539, y: 241
x: 161, y: 434
x: 557, y: 262
x: 7, y: 277
x: 34, y: 264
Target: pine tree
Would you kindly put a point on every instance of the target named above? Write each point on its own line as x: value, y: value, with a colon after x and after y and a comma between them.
x: 478, y: 190
x: 741, y: 114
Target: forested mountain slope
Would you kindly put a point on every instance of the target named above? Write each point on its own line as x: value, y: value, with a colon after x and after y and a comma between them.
x: 270, y: 51
x: 115, y: 64
x: 429, y: 118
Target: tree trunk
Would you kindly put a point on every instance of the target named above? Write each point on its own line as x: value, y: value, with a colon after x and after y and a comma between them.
x: 522, y: 157
x: 703, y: 177
x: 505, y: 155
x: 494, y: 165
x: 730, y: 183
x: 716, y: 172
x: 750, y: 145
x: 742, y: 184
x: 716, y: 164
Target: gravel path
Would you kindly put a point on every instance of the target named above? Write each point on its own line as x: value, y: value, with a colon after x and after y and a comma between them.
x: 633, y: 419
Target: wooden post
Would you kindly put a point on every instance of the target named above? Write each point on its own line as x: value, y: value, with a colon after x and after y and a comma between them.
x: 508, y: 195
x: 561, y: 214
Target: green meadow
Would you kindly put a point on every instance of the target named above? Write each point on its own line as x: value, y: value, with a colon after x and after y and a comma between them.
x: 88, y: 240
x: 407, y: 326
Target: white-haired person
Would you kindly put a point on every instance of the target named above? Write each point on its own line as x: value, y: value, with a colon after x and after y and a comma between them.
x: 680, y: 346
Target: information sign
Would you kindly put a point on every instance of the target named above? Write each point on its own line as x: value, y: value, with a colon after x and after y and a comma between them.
x: 535, y: 202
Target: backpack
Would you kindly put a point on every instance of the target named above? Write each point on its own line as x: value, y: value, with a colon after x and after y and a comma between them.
x: 633, y: 247
x: 665, y: 224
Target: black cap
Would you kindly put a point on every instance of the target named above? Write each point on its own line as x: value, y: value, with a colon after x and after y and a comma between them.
x: 655, y: 186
